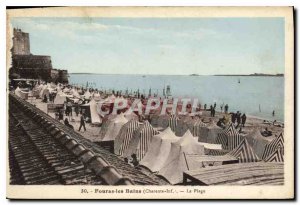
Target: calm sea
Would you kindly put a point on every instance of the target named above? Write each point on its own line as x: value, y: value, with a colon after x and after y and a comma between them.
x: 255, y: 96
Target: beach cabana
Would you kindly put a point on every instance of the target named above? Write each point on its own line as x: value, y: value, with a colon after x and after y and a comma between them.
x: 159, y: 150
x: 111, y: 131
x: 257, y: 142
x: 140, y: 141
x: 95, y: 117
x: 124, y: 136
x: 244, y: 152
x: 229, y: 138
x: 130, y: 115
x: 197, y: 126
x: 277, y: 156
x: 182, y: 127
x: 44, y: 91
x: 163, y: 121
x: 173, y: 120
x: 60, y: 98
x: 87, y: 95
x: 113, y: 128
x: 209, y: 133
x: 96, y: 97
x: 273, y: 146
x: 176, y: 163
x: 21, y: 94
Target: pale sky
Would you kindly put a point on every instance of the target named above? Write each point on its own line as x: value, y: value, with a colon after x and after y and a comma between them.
x: 179, y: 46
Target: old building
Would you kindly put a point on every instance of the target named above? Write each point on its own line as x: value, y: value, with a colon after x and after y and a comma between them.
x: 26, y: 65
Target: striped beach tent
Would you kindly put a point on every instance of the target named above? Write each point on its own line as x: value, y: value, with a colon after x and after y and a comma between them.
x: 173, y: 120
x: 257, y: 142
x: 209, y: 133
x: 140, y: 141
x: 181, y: 127
x: 104, y: 128
x: 125, y: 135
x: 276, y: 143
x: 229, y: 138
x: 163, y: 121
x: 276, y: 156
x: 217, y: 152
x: 197, y: 127
x: 154, y: 120
x: 244, y: 153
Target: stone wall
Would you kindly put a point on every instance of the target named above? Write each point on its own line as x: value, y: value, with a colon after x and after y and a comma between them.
x: 21, y: 44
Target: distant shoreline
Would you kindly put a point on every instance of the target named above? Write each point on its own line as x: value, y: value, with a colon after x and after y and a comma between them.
x: 195, y: 75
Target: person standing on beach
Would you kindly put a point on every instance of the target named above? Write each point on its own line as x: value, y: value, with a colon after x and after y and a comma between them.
x: 82, y: 122
x: 211, y: 110
x: 233, y: 117
x: 204, y: 106
x: 221, y: 106
x: 60, y: 115
x: 226, y: 108
x: 215, y: 105
x: 244, y: 120
x: 238, y: 119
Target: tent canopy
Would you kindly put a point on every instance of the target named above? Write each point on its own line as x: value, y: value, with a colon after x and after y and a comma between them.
x: 114, y: 127
x: 141, y: 140
x: 124, y: 136
x: 176, y: 162
x: 159, y: 150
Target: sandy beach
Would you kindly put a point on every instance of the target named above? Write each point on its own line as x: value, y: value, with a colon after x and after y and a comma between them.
x: 92, y: 131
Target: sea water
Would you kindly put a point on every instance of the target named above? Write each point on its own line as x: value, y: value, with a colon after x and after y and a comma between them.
x: 253, y: 95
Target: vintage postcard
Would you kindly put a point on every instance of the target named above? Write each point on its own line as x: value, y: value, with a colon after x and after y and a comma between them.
x: 150, y: 103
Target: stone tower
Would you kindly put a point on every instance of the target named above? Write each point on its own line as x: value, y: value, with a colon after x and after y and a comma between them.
x: 21, y: 44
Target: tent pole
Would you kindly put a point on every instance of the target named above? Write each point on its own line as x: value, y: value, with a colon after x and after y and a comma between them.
x: 187, y: 165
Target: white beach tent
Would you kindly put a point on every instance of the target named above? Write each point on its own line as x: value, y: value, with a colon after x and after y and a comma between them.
x: 76, y: 94
x: 87, y: 95
x: 36, y: 90
x: 21, y: 94
x: 130, y: 115
x: 96, y: 97
x: 140, y: 141
x: 124, y: 137
x: 95, y: 117
x: 66, y: 90
x: 60, y: 98
x: 44, y: 91
x: 177, y: 163
x: 159, y: 150
x: 114, y: 127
